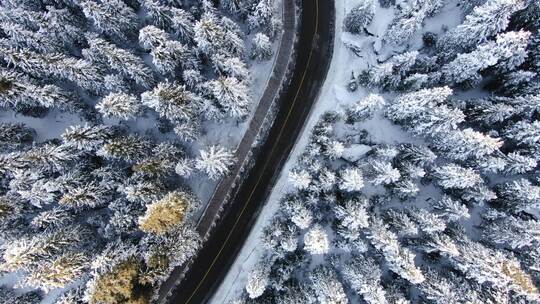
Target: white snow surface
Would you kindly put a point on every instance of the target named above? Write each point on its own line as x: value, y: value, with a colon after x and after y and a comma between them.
x: 334, y: 96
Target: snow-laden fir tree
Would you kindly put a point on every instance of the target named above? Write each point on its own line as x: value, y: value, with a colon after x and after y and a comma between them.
x: 112, y: 17
x: 163, y: 215
x: 399, y: 259
x: 120, y: 105
x: 19, y: 91
x: 262, y: 14
x: 507, y: 51
x: 89, y: 195
x: 364, y: 277
x: 87, y: 137
x: 151, y: 37
x: 121, y: 60
x: 257, y: 281
x: 484, y: 22
x: 188, y: 131
x: 167, y: 55
x: 298, y: 212
x: 164, y: 252
x: 524, y: 132
x: 353, y: 214
x: 451, y: 209
x: 327, y: 287
x: 401, y: 223
x: 360, y: 17
x: 261, y: 47
x: 414, y: 105
x: 409, y: 19
x: 13, y: 135
x: 230, y: 66
x: 172, y: 101
x: 383, y: 173
x: 427, y: 222
x: 128, y: 148
x: 300, y: 179
x: 26, y: 253
x: 440, y: 243
x: 513, y: 232
x: 56, y: 65
x: 467, y: 143
x: 160, y: 163
x: 115, y: 277
x: 485, y: 265
x: 215, y: 162
x: 316, y: 240
x: 452, y: 176
x: 351, y: 180
x: 58, y: 272
x: 365, y: 108
x: 232, y: 95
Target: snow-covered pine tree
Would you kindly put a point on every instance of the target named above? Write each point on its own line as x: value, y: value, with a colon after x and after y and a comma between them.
x: 524, y: 132
x: 123, y: 61
x: 112, y: 17
x: 128, y: 148
x: 453, y: 176
x: 58, y: 272
x: 59, y: 66
x: 383, y: 173
x: 215, y: 161
x: 298, y: 212
x: 351, y: 180
x: 232, y: 96
x: 399, y: 259
x: 359, y: 17
x: 165, y: 214
x: 365, y: 108
x: 364, y: 277
x: 316, y: 240
x: 261, y: 14
x: 14, y: 135
x: 450, y: 209
x: 413, y: 105
x: 120, y: 105
x: 261, y: 47
x: 512, y: 232
x: 327, y: 287
x: 519, y: 195
x: 468, y: 144
x: 484, y: 22
x: 409, y: 19
x: 485, y: 265
x: 172, y: 101
x: 86, y: 137
x: 257, y: 280
x: 507, y: 51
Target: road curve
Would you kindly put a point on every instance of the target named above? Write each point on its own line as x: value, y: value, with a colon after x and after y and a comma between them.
x: 313, y: 56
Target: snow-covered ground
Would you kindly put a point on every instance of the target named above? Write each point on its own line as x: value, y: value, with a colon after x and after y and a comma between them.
x: 334, y: 96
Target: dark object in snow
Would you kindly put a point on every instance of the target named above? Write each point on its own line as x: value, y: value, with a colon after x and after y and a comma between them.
x: 430, y: 39
x: 353, y: 84
x: 387, y: 3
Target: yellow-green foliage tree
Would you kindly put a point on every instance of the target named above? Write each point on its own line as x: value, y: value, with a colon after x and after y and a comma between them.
x: 167, y: 213
x: 59, y: 272
x: 118, y: 285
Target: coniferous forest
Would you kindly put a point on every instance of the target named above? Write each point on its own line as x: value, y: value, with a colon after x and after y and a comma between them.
x: 101, y: 212
x: 425, y: 188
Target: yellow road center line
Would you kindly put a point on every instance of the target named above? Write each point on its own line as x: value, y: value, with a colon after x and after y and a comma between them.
x: 265, y: 164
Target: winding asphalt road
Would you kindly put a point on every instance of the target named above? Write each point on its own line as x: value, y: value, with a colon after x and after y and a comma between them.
x: 228, y: 236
